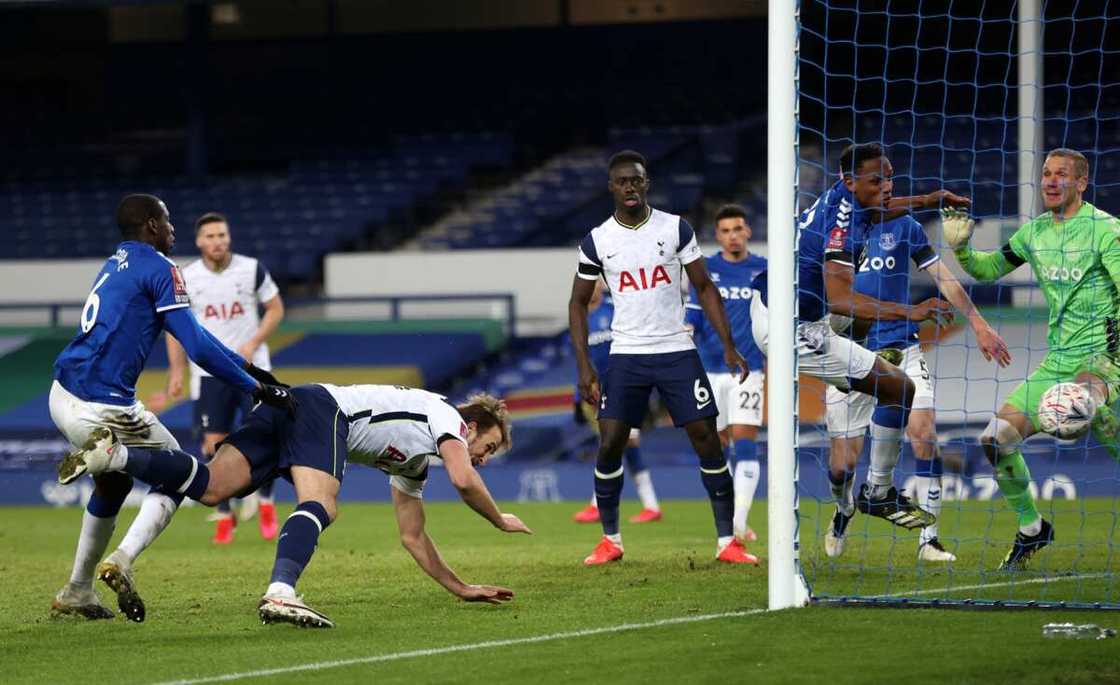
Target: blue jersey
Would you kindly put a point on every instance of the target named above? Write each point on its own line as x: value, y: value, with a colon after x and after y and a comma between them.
x: 121, y: 320
x: 884, y: 274
x: 733, y: 279
x: 830, y: 230
x: 599, y: 335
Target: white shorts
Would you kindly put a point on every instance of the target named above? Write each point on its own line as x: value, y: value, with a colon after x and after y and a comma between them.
x: 132, y: 425
x: 739, y: 404
x: 821, y: 353
x: 849, y: 415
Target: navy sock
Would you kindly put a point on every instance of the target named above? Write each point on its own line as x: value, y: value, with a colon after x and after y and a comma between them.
x: 224, y: 507
x: 105, y: 507
x: 634, y: 459
x: 745, y: 450
x: 930, y: 468
x: 265, y: 490
x: 716, y: 476
x: 608, y: 492
x: 298, y: 539
x: 168, y: 471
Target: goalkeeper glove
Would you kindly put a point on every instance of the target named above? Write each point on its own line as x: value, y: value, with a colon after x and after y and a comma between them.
x: 956, y: 227
x: 276, y: 396
x: 263, y: 377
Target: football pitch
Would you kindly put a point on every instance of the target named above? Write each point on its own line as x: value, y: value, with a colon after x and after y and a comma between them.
x: 667, y: 613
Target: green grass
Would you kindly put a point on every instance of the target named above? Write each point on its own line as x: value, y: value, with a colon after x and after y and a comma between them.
x: 202, y: 621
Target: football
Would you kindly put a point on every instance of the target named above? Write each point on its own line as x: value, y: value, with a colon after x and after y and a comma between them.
x: 1066, y: 410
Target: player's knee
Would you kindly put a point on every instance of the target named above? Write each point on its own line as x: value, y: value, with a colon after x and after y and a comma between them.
x: 999, y: 438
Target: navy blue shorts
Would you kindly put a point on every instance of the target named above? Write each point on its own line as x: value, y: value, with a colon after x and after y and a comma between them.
x: 220, y: 407
x: 274, y: 442
x: 679, y: 377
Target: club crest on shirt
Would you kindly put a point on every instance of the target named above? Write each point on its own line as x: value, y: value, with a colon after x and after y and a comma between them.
x: 180, y: 286
x: 836, y: 238
x: 887, y: 242
x: 715, y: 277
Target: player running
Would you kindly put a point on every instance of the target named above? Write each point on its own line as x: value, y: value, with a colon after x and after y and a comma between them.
x: 226, y: 289
x: 601, y: 311
x: 831, y: 234
x: 397, y: 430
x: 1073, y: 251
x: 137, y: 294
x: 884, y: 274
x: 640, y: 253
x: 739, y: 403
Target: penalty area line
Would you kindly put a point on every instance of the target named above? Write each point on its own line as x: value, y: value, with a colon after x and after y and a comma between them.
x: 436, y: 651
x: 982, y: 586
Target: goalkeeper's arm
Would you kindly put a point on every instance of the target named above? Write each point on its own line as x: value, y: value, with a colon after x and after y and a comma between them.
x: 956, y: 229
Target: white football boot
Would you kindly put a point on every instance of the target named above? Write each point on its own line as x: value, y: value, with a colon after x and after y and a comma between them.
x: 287, y: 609
x: 933, y: 550
x: 73, y: 600
x: 116, y: 572
x: 837, y: 534
x: 93, y: 458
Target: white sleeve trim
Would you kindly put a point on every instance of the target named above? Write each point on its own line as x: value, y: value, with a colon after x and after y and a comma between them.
x: 166, y: 308
x: 587, y: 277
x: 929, y: 262
x: 690, y: 305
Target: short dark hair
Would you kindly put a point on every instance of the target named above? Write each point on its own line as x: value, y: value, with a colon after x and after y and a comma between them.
x: 134, y: 211
x: 731, y: 211
x: 626, y: 157
x: 1080, y: 161
x: 209, y: 218
x: 856, y: 154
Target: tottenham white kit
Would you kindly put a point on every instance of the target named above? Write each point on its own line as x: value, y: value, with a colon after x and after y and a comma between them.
x: 397, y: 430
x: 226, y: 303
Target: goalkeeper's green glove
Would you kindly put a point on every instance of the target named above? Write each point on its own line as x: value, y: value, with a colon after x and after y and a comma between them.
x: 956, y: 227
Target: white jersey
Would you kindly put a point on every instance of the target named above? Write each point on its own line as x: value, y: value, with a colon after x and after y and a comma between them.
x: 642, y: 266
x: 397, y: 429
x: 226, y: 303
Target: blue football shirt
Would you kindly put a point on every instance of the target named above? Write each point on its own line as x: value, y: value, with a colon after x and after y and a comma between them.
x: 884, y: 273
x: 733, y: 279
x: 121, y: 320
x: 599, y: 335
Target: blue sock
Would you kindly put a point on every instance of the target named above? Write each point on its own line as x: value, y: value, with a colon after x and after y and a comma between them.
x: 891, y: 416
x: 930, y: 468
x: 745, y: 450
x: 265, y: 490
x: 298, y: 539
x: 716, y: 476
x: 634, y: 459
x: 106, y: 507
x: 608, y: 492
x: 168, y: 471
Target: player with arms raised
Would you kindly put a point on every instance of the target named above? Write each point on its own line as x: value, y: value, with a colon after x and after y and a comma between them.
x: 739, y: 402
x: 395, y: 429
x: 640, y: 253
x: 884, y: 274
x: 226, y: 289
x: 832, y: 233
x: 137, y: 294
x: 1074, y: 252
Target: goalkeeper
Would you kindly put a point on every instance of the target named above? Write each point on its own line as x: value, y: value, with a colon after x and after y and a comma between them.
x: 1074, y: 252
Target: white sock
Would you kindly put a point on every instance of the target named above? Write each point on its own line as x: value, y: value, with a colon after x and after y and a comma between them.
x: 616, y: 539
x: 594, y: 502
x: 118, y: 458
x: 746, y: 482
x: 1032, y: 528
x: 927, y: 490
x: 723, y: 541
x: 155, y: 514
x: 644, y: 483
x: 281, y: 590
x: 886, y: 446
x: 92, y: 542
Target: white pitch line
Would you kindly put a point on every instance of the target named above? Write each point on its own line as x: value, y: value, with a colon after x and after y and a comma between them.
x: 435, y: 651
x: 1030, y: 581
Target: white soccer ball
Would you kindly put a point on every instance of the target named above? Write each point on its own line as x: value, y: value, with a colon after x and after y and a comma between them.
x: 1066, y: 410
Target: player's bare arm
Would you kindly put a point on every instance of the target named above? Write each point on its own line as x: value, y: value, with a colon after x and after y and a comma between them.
x: 712, y: 303
x: 473, y: 491
x: 410, y: 522
x: 992, y: 346
x: 273, y: 315
x: 582, y: 291
x: 839, y: 281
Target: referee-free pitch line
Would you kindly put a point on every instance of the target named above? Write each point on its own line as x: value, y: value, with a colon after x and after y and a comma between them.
x: 472, y: 647
x: 1008, y: 583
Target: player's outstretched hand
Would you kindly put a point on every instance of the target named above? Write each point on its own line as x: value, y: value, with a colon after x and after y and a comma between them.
x: 279, y: 396
x: 491, y: 594
x: 992, y: 346
x: 263, y: 377
x: 736, y: 364
x: 956, y: 227
x: 512, y: 524
x: 945, y: 198
x: 589, y: 387
x: 934, y: 309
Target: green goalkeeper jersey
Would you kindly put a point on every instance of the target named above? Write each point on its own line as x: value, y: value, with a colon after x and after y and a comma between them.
x: 1077, y: 265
